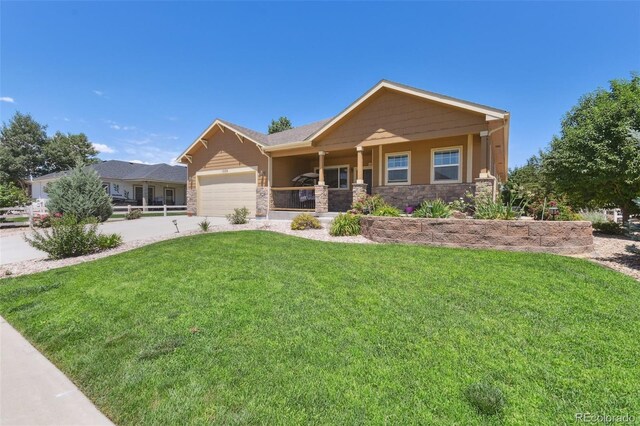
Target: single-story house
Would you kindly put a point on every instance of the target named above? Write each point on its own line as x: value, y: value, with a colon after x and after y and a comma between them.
x: 403, y: 143
x: 130, y: 183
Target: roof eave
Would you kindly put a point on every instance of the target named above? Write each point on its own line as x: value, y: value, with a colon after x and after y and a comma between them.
x: 289, y: 145
x: 217, y: 122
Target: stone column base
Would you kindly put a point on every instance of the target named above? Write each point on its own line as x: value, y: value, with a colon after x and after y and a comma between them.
x: 359, y: 191
x: 486, y: 187
x: 322, y: 198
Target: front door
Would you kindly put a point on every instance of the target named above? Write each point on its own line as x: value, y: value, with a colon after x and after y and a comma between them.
x: 150, y: 195
x: 367, y: 176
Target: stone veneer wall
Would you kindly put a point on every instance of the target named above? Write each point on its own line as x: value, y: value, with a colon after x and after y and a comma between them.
x: 340, y: 200
x: 401, y: 196
x: 264, y: 202
x: 192, y: 201
x: 518, y: 235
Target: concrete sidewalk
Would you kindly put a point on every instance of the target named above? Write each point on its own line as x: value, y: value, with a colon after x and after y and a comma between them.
x: 34, y: 392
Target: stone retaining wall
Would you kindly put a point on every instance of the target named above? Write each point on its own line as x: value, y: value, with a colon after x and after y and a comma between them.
x: 401, y: 196
x: 518, y: 235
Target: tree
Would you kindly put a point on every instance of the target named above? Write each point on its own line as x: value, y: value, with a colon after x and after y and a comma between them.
x: 66, y: 151
x: 529, y: 178
x: 21, y: 149
x: 596, y: 159
x: 12, y: 196
x: 80, y: 194
x: 283, y: 123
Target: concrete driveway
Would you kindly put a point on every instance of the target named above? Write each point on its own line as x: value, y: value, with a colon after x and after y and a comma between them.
x: 13, y: 247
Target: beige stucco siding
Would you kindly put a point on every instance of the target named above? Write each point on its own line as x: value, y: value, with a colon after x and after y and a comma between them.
x: 225, y: 151
x: 394, y: 117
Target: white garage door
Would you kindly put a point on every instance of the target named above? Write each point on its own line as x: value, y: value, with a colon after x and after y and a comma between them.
x: 221, y: 193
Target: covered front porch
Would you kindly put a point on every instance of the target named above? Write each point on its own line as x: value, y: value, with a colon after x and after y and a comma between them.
x: 322, y: 179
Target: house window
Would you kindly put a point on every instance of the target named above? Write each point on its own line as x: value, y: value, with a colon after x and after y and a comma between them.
x: 398, y: 168
x: 106, y: 187
x: 336, y: 177
x: 446, y: 165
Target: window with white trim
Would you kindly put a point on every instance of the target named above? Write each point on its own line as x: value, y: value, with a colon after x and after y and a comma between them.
x: 397, y: 168
x: 446, y: 165
x: 336, y: 177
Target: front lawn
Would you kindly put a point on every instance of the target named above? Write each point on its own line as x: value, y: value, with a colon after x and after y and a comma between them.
x: 256, y: 327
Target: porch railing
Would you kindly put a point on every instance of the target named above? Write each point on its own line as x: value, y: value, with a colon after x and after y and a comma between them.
x: 294, y: 198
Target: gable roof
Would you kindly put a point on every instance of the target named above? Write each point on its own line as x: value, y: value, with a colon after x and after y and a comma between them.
x: 124, y: 170
x: 304, y: 135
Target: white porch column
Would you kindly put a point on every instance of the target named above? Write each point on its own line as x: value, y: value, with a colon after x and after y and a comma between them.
x: 321, y: 167
x: 484, y: 154
x: 145, y: 194
x: 360, y: 169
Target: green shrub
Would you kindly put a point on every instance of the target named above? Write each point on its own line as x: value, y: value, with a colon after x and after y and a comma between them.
x: 486, y: 399
x: 12, y: 196
x: 345, y: 224
x: 79, y: 194
x: 239, y: 216
x: 367, y: 204
x: 434, y: 209
x: 70, y: 237
x: 593, y: 216
x: 205, y: 225
x: 305, y: 221
x: 108, y: 241
x: 387, y: 210
x: 608, y: 227
x: 133, y: 214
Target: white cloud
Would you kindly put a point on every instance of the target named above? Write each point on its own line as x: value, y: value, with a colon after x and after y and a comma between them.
x: 7, y: 99
x: 105, y: 149
x: 139, y: 162
x: 98, y: 92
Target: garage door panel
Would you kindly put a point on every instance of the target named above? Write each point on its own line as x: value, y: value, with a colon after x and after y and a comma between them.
x: 220, y: 194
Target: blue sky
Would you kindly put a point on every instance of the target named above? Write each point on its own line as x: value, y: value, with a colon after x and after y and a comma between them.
x: 143, y: 79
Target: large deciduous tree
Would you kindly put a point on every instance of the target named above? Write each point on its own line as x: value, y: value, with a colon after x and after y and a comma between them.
x: 22, y: 143
x: 26, y: 151
x: 66, y: 151
x: 283, y: 123
x: 596, y: 158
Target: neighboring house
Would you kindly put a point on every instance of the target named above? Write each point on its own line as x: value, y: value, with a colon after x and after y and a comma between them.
x: 403, y: 143
x: 130, y: 183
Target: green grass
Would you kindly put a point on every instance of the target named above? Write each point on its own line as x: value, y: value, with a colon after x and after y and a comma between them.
x: 15, y: 219
x: 262, y: 328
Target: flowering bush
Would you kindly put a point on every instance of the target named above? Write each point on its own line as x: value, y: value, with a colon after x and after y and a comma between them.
x: 42, y: 220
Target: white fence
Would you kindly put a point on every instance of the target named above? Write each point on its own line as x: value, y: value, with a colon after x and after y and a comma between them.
x: 39, y: 209
x: 165, y: 210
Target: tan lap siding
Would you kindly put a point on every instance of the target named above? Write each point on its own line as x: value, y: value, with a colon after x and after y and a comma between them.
x: 225, y: 151
x: 394, y: 117
x: 421, y: 157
